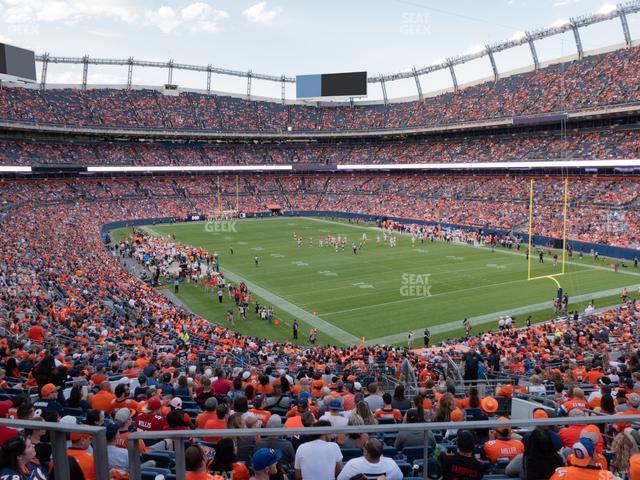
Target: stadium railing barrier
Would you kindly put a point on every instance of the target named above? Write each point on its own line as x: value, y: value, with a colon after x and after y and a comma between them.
x: 178, y: 437
x: 58, y: 435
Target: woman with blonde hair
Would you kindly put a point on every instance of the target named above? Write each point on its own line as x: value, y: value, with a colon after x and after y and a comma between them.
x: 623, y: 447
x: 362, y: 409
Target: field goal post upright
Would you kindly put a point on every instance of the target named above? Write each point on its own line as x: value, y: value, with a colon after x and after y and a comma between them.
x: 565, y: 202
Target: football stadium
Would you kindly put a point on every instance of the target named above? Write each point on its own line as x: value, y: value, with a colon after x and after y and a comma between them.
x: 211, y: 270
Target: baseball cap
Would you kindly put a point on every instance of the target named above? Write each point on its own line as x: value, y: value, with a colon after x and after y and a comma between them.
x: 457, y: 415
x: 75, y: 436
x: 357, y: 386
x: 166, y: 377
x: 265, y: 457
x: 48, y: 389
x: 633, y: 399
x: 489, y: 405
x: 123, y: 414
x: 154, y: 403
x: 142, y: 379
x: 583, y: 451
x: 304, y: 395
x: 176, y: 402
x: 335, y: 404
x: 590, y: 434
x: 245, y: 375
x: 540, y: 413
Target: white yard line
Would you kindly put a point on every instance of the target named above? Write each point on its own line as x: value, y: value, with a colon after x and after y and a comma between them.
x: 297, y: 312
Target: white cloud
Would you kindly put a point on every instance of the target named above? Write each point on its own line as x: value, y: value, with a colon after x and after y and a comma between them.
x: 258, y: 13
x: 517, y: 36
x: 197, y: 17
x: 165, y: 19
x: 201, y: 17
x: 5, y: 39
x: 563, y: 3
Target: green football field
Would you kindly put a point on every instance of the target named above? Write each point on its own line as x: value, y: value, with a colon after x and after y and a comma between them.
x: 381, y: 292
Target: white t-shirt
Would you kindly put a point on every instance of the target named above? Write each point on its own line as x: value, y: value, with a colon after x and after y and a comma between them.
x: 335, y: 420
x: 317, y: 460
x: 358, y: 465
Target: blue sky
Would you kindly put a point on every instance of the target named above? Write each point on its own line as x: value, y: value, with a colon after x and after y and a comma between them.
x: 293, y: 36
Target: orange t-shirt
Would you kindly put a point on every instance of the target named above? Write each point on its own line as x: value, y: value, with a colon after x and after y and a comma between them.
x: 263, y: 415
x: 495, y: 449
x: 103, y: 400
x: 85, y: 461
x: 203, y: 418
x: 214, y: 424
x: 634, y: 467
x: 294, y: 422
x: 36, y: 333
x: 581, y: 473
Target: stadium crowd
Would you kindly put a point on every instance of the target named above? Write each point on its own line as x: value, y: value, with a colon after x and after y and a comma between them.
x: 580, y: 144
x: 597, y: 81
x: 75, y: 318
x: 603, y: 210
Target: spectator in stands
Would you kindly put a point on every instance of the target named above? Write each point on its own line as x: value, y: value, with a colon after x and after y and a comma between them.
x: 103, y: 400
x: 225, y: 463
x: 461, y: 465
x: 94, y: 418
x: 209, y: 413
x: 624, y: 446
x: 17, y: 458
x: 371, y: 463
x: 399, y: 401
x: 334, y: 415
x: 362, y: 409
x: 539, y: 460
x: 318, y: 459
x: 196, y: 464
x: 277, y: 443
x: 388, y: 413
x: 583, y: 465
x: 80, y: 442
x: 413, y: 438
x: 49, y: 399
x: 503, y: 446
x: 358, y: 439
x: 374, y: 399
x: 151, y: 420
x: 77, y: 399
x: 118, y: 456
x: 219, y: 422
x: 265, y: 463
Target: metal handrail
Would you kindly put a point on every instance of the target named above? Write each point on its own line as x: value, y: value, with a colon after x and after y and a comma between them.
x: 179, y: 436
x: 58, y: 435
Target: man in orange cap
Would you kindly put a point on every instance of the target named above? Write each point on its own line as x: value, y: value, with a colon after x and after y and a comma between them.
x: 48, y: 399
x: 503, y: 446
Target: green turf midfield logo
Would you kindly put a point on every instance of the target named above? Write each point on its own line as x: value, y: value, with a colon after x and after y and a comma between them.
x: 415, y: 285
x: 220, y: 226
